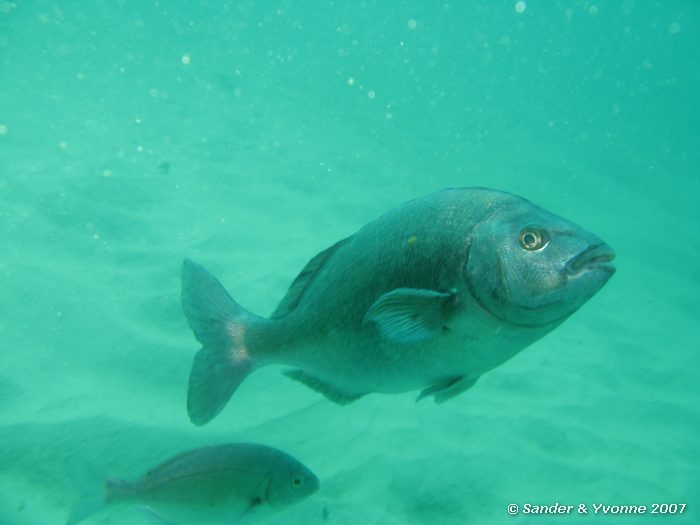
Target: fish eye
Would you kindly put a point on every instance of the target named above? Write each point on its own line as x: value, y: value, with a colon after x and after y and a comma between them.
x: 532, y: 239
x: 296, y: 482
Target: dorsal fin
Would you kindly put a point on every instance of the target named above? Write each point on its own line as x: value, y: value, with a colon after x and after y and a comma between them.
x: 173, y: 464
x: 290, y: 301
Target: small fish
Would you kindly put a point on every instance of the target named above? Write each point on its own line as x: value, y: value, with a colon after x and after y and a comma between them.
x: 429, y: 296
x: 208, y: 485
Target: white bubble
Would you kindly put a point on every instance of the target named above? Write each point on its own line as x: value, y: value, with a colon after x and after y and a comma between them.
x: 153, y: 92
x: 520, y: 7
x: 593, y: 9
x: 186, y: 59
x: 351, y: 81
x: 412, y: 24
x: 371, y: 94
x: 674, y: 28
x: 3, y: 129
x: 63, y: 144
x: 107, y: 173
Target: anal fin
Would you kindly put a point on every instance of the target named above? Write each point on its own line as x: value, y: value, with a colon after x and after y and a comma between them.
x: 331, y: 392
x: 448, y: 389
x: 155, y: 517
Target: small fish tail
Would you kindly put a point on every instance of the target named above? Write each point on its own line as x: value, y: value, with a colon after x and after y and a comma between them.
x: 118, y: 489
x: 220, y: 324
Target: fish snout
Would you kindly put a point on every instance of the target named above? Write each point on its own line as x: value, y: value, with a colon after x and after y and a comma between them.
x: 314, y: 484
x: 595, y: 257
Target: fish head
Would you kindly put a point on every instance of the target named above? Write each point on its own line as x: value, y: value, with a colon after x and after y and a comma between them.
x: 530, y: 267
x: 290, y: 485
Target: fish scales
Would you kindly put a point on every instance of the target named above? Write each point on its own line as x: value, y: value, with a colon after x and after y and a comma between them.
x: 427, y: 297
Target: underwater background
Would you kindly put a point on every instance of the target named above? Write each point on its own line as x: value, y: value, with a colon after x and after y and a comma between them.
x: 249, y: 136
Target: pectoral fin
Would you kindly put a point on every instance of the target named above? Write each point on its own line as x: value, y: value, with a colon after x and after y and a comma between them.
x: 448, y: 389
x: 331, y: 392
x: 411, y: 315
x: 155, y: 517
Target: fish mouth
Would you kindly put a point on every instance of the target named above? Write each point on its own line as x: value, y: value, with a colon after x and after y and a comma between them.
x: 595, y: 257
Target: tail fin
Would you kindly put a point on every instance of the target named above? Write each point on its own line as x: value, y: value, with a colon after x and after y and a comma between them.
x: 92, y: 486
x: 220, y: 324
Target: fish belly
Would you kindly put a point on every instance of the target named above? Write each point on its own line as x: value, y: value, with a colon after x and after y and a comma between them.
x: 360, y: 365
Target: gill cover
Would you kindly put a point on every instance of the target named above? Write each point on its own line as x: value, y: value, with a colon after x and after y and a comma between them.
x: 517, y: 268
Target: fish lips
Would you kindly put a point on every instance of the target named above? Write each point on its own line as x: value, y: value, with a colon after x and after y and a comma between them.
x: 595, y: 257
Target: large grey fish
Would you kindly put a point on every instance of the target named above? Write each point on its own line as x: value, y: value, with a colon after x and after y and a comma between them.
x: 208, y: 485
x: 428, y: 296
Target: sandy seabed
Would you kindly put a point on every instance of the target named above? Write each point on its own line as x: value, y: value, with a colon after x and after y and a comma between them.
x: 110, y: 177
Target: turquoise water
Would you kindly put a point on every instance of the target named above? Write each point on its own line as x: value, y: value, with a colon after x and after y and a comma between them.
x: 249, y: 136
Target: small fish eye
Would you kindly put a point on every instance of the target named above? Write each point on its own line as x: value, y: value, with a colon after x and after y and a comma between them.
x: 532, y: 239
x: 296, y: 482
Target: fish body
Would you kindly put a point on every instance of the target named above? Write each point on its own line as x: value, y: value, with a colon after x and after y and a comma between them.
x: 427, y: 297
x: 210, y: 485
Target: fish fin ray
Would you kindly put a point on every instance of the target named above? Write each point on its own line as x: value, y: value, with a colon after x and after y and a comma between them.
x: 331, y: 392
x: 411, y: 315
x: 219, y: 323
x: 296, y: 291
x: 155, y: 516
x: 448, y: 389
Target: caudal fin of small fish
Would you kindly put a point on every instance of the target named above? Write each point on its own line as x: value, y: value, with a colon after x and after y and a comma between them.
x: 92, y: 486
x: 220, y: 324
